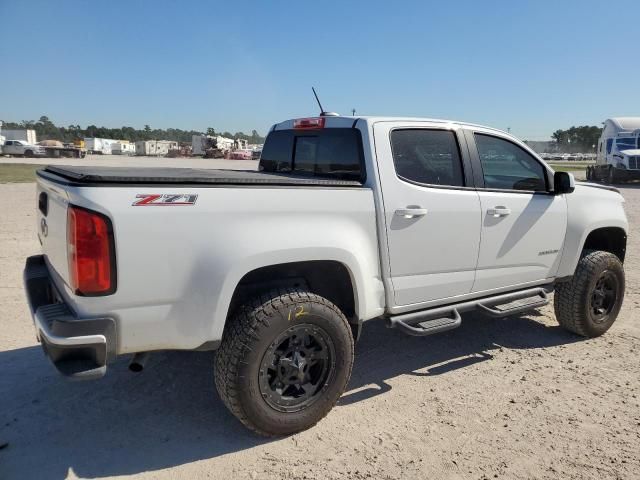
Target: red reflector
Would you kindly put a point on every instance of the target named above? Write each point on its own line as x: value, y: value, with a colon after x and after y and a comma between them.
x: 308, y: 123
x: 90, y: 252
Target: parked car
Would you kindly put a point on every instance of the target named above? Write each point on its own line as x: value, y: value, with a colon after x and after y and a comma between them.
x: 22, y: 148
x: 255, y: 154
x: 346, y: 221
x: 241, y: 155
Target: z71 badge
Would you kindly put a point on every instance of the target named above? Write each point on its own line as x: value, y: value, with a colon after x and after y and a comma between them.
x: 166, y: 200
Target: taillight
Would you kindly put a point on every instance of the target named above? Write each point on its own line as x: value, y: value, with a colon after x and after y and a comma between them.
x: 308, y: 123
x: 90, y: 252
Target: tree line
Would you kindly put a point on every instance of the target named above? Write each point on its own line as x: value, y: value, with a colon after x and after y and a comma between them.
x: 577, y: 139
x: 47, y: 130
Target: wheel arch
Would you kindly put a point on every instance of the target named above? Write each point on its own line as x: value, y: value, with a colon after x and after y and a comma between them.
x: 331, y: 279
x: 328, y: 278
x: 608, y: 239
x: 595, y: 220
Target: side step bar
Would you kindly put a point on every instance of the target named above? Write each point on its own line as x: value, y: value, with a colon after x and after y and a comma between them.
x: 419, y: 324
x: 515, y: 306
x: 441, y: 319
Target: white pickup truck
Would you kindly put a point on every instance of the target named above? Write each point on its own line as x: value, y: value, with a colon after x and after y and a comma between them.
x: 414, y: 221
x: 22, y: 148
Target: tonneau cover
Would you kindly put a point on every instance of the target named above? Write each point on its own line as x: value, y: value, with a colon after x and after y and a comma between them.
x: 126, y: 175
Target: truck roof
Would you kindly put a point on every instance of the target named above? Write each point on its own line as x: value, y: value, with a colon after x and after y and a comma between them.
x: 349, y: 121
x: 625, y: 123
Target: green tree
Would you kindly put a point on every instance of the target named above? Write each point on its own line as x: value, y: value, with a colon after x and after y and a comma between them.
x: 577, y: 139
x: 46, y: 129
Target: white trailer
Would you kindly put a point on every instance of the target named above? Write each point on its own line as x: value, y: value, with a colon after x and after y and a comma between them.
x: 155, y: 147
x: 101, y: 146
x: 618, y: 153
x: 26, y: 135
x: 123, y: 148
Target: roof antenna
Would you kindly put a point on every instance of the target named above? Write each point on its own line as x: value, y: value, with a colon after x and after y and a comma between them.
x: 322, y: 112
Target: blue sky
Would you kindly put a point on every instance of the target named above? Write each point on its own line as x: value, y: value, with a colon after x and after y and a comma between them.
x: 532, y: 66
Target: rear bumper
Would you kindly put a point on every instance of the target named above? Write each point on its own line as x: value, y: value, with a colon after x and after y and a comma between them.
x: 80, y: 348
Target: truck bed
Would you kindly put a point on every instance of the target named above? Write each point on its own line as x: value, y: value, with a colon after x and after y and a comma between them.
x: 86, y: 176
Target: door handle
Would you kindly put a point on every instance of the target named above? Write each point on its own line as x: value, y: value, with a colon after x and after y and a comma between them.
x: 411, y: 212
x: 499, y: 211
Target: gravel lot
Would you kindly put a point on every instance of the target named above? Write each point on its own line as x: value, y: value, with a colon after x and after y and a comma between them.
x: 516, y: 398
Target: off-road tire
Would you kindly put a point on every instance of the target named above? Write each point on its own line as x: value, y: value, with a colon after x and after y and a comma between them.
x: 250, y: 333
x: 572, y: 299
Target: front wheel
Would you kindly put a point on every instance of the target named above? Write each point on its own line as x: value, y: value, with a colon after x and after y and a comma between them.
x: 589, y: 303
x: 284, y: 361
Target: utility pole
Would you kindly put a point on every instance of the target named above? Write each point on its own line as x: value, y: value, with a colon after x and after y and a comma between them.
x: 353, y: 112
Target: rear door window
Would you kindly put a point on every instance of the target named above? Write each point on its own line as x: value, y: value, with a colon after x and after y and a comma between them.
x: 327, y: 153
x: 430, y: 157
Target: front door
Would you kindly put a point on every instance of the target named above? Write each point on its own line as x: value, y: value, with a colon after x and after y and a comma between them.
x: 523, y: 225
x: 431, y: 211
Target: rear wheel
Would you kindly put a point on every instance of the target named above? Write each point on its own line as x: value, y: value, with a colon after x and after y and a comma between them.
x: 589, y: 303
x: 284, y: 361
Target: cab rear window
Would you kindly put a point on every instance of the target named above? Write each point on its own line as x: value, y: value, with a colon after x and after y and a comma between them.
x: 326, y: 153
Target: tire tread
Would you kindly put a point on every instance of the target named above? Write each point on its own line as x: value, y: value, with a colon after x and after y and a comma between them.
x: 242, y: 329
x: 568, y: 302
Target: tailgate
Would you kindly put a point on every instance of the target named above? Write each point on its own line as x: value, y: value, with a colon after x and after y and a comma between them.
x: 52, y: 226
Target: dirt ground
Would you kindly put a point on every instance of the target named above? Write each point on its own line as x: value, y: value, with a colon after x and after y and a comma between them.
x: 516, y: 398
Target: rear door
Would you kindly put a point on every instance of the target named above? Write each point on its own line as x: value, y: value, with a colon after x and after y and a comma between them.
x: 523, y: 224
x: 431, y: 210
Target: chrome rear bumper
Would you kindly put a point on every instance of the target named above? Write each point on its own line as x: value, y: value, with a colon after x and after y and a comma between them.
x: 80, y: 348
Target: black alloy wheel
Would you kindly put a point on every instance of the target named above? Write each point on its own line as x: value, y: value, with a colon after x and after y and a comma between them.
x: 604, y: 296
x: 296, y: 368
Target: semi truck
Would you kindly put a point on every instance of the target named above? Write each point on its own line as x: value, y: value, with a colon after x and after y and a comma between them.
x: 618, y: 151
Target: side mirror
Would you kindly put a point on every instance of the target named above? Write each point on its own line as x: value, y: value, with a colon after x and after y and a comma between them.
x: 563, y: 182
